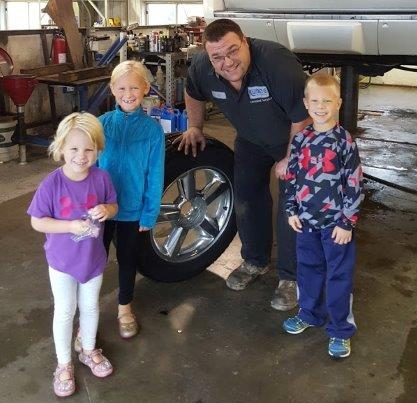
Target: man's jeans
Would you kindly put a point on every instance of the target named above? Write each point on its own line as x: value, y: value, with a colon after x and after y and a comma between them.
x: 253, y: 206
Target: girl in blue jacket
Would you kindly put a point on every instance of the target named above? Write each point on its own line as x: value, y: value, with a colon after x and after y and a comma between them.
x: 134, y: 158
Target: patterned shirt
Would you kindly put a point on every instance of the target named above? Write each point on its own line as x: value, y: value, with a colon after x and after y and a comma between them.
x: 324, y: 179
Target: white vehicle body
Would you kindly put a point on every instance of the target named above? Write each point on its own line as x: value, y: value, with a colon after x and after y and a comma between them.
x: 369, y: 30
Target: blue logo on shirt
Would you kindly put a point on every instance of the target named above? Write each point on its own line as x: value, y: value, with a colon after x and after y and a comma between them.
x: 218, y: 94
x: 258, y: 92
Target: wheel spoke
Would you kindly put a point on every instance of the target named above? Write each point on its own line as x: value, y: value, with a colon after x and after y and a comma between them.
x: 179, y: 244
x: 168, y: 213
x: 186, y: 186
x: 211, y: 184
x: 210, y: 226
x: 216, y: 193
x: 174, y: 241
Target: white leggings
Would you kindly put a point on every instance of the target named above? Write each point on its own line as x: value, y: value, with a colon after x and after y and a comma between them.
x: 67, y: 292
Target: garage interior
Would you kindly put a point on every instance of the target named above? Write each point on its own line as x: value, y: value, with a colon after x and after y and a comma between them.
x: 201, y: 342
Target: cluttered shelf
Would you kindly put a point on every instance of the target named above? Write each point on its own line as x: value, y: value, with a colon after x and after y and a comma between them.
x: 167, y: 74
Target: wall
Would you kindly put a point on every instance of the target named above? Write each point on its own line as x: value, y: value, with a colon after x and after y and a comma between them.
x: 134, y: 12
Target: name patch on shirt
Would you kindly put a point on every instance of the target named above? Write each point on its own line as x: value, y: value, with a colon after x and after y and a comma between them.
x: 258, y: 92
x: 218, y: 94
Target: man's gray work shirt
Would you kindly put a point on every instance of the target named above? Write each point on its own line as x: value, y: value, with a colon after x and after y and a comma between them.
x: 271, y: 97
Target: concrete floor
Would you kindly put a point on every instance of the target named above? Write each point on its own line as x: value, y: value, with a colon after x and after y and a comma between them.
x: 202, y: 343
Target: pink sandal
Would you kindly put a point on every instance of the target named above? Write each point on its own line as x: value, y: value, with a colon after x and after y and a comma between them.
x: 100, y: 369
x: 64, y: 387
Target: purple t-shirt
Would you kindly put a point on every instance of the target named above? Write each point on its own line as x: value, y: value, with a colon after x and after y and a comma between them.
x: 64, y: 199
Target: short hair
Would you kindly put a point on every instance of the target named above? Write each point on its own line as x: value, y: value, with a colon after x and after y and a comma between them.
x: 86, y: 122
x: 217, y: 29
x: 322, y: 80
x: 129, y: 66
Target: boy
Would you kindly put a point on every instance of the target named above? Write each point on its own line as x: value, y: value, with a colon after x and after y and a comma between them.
x: 324, y: 191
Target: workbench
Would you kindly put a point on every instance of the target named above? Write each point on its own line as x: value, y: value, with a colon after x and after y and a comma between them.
x: 62, y: 75
x: 80, y: 85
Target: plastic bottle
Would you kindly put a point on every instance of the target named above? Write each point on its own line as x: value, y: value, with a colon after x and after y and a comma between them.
x: 141, y: 42
x: 177, y: 114
x: 183, y: 121
x: 147, y: 44
x: 179, y: 89
x: 160, y: 79
x: 163, y: 44
x: 152, y: 42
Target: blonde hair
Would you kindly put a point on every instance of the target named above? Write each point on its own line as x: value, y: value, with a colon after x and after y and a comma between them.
x: 322, y: 80
x: 86, y: 122
x: 129, y: 66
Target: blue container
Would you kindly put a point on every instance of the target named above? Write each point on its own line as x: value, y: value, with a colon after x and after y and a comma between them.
x: 168, y: 120
x: 183, y: 126
x: 177, y: 114
x: 156, y: 113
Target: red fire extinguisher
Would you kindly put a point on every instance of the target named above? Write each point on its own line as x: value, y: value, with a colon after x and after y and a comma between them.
x: 59, y: 49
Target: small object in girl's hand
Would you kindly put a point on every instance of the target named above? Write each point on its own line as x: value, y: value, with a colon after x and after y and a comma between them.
x: 92, y: 230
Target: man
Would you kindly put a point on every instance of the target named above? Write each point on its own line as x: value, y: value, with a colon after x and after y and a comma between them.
x: 258, y: 85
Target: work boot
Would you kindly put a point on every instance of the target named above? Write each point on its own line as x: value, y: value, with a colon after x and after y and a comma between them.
x: 285, y: 296
x: 243, y: 275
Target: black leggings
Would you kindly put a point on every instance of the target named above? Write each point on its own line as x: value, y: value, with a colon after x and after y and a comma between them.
x: 128, y: 240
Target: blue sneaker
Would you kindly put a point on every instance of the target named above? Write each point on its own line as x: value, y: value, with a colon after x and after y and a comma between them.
x: 295, y: 325
x: 339, y: 348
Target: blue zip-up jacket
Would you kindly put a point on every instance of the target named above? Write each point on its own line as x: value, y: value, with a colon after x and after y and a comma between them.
x: 134, y: 156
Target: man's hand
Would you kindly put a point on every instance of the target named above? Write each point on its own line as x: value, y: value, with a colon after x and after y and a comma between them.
x: 341, y: 236
x: 192, y: 137
x: 143, y: 229
x: 281, y: 168
x: 295, y: 223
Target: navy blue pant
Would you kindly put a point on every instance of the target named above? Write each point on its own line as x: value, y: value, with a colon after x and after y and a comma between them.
x: 253, y: 206
x: 325, y: 282
x: 128, y: 240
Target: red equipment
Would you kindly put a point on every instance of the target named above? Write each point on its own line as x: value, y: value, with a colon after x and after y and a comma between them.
x: 19, y: 87
x: 6, y: 63
x: 59, y: 49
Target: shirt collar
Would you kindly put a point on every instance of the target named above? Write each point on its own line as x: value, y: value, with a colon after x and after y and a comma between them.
x: 138, y: 111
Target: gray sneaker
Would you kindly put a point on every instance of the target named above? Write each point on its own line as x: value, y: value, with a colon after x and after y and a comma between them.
x: 285, y: 296
x: 246, y: 273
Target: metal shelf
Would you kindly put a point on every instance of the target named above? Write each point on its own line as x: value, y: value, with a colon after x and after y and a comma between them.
x: 169, y: 62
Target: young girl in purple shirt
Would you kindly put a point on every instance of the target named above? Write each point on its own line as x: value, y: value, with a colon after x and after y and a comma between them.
x: 70, y: 206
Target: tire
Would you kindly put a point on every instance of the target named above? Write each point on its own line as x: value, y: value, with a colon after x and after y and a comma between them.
x: 197, y: 220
